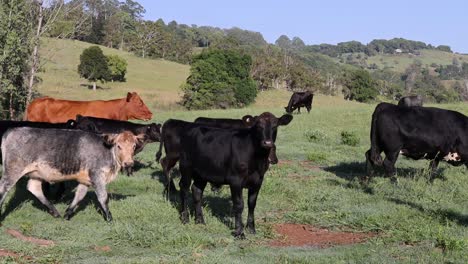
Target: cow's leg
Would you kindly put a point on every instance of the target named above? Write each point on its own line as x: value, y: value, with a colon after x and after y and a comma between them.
x: 299, y: 110
x: 238, y: 207
x: 103, y: 197
x: 389, y: 164
x: 433, y: 168
x: 369, y: 165
x: 308, y: 109
x: 252, y: 201
x: 197, y: 194
x: 184, y: 184
x: 80, y: 193
x: 8, y: 180
x: 35, y: 187
x: 167, y: 164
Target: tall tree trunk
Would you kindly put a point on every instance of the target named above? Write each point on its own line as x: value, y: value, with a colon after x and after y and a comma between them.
x: 12, y: 111
x: 94, y: 86
x: 35, y: 55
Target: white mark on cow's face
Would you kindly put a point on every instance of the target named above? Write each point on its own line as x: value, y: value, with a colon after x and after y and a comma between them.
x: 452, y: 157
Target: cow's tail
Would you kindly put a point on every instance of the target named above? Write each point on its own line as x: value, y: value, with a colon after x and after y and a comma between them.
x: 159, y: 153
x: 374, y: 153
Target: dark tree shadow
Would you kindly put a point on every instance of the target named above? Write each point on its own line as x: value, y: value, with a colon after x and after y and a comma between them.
x: 90, y: 86
x: 440, y: 214
x: 21, y: 195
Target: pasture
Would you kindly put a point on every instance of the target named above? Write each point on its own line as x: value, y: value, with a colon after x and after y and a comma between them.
x: 316, y: 183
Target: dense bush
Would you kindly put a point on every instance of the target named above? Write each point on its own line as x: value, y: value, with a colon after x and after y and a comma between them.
x: 360, y: 86
x: 349, y: 138
x: 219, y: 79
x: 93, y: 65
x: 118, y: 67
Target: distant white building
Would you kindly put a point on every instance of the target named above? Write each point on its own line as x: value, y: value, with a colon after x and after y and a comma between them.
x: 398, y: 51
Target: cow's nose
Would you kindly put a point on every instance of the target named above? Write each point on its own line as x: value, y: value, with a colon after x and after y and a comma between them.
x: 268, y: 143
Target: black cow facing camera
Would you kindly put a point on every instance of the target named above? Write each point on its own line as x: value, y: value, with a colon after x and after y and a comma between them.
x: 234, y: 157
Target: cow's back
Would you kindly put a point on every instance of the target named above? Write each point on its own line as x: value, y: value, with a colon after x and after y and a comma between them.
x: 55, y: 110
x: 65, y: 150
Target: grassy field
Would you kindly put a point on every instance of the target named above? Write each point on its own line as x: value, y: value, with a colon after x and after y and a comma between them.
x: 157, y: 81
x: 316, y: 183
x: 400, y: 62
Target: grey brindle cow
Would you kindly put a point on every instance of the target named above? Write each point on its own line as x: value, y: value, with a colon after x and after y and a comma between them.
x: 55, y: 155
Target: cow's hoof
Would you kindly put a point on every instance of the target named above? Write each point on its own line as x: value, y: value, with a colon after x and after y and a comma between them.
x: 55, y: 214
x: 184, y: 218
x: 109, y: 217
x: 394, y: 180
x: 239, y: 235
x: 200, y: 221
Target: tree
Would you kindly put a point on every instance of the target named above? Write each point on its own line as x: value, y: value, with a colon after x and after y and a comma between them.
x: 219, y: 79
x: 15, y: 51
x: 360, y: 86
x: 93, y: 65
x: 118, y: 67
x: 283, y: 42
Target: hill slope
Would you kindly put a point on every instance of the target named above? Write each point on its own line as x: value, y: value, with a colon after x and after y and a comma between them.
x: 157, y: 81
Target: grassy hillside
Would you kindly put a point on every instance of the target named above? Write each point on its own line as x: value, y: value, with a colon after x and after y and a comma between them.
x: 158, y: 81
x: 399, y: 62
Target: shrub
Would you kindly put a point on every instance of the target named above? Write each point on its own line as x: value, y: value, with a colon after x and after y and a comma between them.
x: 219, y: 79
x: 315, y: 136
x: 349, y: 138
x: 93, y: 65
x: 118, y: 67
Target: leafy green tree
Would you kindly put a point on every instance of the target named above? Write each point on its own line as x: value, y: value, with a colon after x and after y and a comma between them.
x: 93, y: 65
x: 283, y: 42
x: 360, y: 86
x: 15, y: 46
x: 118, y: 67
x: 219, y: 79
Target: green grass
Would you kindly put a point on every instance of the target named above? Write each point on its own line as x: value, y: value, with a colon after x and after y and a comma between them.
x: 317, y: 183
x: 416, y: 222
x: 399, y: 62
x: 157, y: 81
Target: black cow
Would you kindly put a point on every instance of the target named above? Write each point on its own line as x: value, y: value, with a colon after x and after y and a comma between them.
x: 151, y: 132
x: 170, y: 140
x: 228, y: 123
x: 55, y: 155
x: 417, y: 132
x: 298, y: 100
x: 412, y: 100
x: 236, y: 157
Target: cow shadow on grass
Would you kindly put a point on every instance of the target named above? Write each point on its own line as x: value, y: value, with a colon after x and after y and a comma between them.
x: 440, y: 214
x: 138, y: 165
x: 221, y: 208
x: 21, y: 195
x: 356, y: 170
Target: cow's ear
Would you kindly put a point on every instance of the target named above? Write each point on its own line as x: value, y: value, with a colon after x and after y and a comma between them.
x: 78, y: 117
x: 284, y: 120
x: 109, y: 140
x: 129, y: 96
x: 141, y: 138
x: 248, y: 120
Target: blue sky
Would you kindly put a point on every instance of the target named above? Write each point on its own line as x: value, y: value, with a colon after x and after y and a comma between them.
x: 328, y: 21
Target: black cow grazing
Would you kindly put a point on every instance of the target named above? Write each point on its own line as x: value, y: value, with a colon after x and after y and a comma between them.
x: 412, y: 100
x: 55, y: 155
x: 298, y: 100
x: 236, y: 157
x: 417, y: 132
